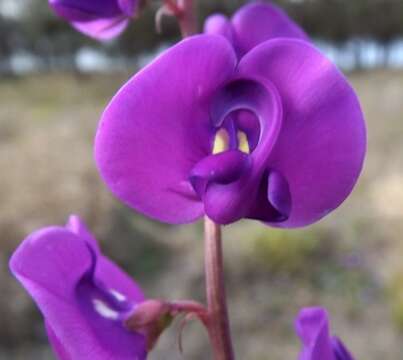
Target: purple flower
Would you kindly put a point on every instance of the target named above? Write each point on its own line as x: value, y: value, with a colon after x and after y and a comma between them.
x: 312, y: 326
x: 100, y: 19
x: 83, y: 296
x: 303, y: 123
x: 253, y: 24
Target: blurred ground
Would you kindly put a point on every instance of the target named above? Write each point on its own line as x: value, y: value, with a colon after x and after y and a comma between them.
x: 350, y: 262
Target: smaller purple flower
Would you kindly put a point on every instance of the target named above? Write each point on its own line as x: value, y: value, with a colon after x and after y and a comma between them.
x: 312, y: 326
x: 253, y: 24
x: 101, y: 19
x: 84, y: 297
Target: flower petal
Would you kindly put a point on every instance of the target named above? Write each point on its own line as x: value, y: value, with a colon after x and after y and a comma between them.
x: 128, y: 7
x: 158, y: 127
x: 57, y: 345
x: 52, y: 259
x: 272, y: 202
x: 278, y: 193
x: 108, y: 274
x: 229, y: 203
x: 248, y: 123
x: 117, y: 282
x: 78, y: 227
x: 257, y: 22
x: 101, y: 20
x: 218, y: 24
x: 215, y: 179
x: 102, y: 29
x: 340, y: 350
x: 313, y: 329
x: 222, y: 168
x: 85, y: 10
x: 322, y: 143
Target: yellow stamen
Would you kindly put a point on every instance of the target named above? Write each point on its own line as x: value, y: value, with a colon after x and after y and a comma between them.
x: 243, y: 142
x: 221, y: 141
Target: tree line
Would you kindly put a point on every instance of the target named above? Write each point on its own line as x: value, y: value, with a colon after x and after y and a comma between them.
x: 38, y: 31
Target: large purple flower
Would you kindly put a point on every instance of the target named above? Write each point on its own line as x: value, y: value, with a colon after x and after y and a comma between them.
x: 83, y: 296
x: 312, y: 326
x: 253, y: 24
x: 302, y: 120
x: 100, y: 19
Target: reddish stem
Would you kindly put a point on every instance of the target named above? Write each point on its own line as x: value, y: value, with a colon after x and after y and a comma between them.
x: 219, y: 330
x: 191, y: 307
x: 187, y: 20
x: 216, y: 318
x: 172, y: 6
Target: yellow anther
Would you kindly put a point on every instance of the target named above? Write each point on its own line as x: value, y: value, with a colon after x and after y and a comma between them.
x: 243, y: 142
x: 221, y: 141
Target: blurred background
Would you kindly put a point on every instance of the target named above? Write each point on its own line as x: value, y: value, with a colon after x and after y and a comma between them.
x: 54, y: 84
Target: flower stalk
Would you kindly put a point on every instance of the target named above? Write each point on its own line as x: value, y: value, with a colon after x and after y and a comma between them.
x: 217, y: 312
x: 219, y: 329
x: 187, y: 18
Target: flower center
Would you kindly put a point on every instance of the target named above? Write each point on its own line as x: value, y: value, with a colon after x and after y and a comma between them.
x: 118, y: 296
x: 106, y: 303
x: 222, y: 142
x: 243, y: 142
x: 236, y: 181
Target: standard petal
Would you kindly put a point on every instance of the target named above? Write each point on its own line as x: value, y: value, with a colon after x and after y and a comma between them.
x: 322, y: 143
x: 158, y: 127
x: 51, y: 260
x: 313, y: 329
x: 257, y: 22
